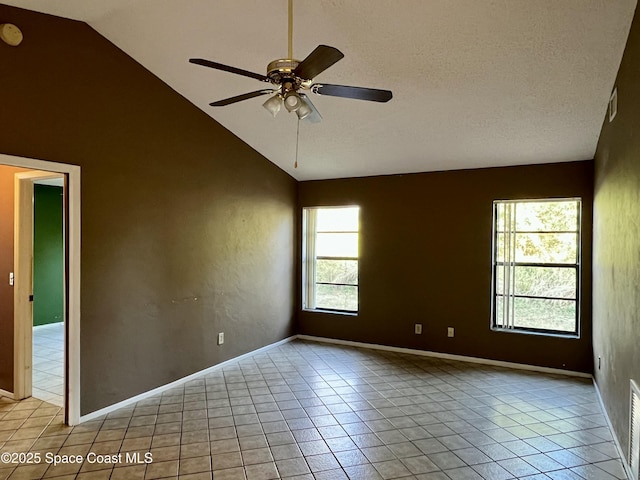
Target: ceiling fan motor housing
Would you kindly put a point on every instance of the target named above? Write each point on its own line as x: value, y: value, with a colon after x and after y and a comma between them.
x: 281, y: 71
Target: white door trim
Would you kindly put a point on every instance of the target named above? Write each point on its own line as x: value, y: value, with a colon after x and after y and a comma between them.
x: 23, y: 279
x: 72, y: 412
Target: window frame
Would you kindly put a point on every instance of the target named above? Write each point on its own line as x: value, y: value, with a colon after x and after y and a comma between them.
x: 309, y: 259
x: 577, y: 266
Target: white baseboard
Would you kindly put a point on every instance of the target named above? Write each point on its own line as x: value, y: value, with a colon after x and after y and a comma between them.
x: 447, y: 356
x: 4, y: 393
x: 176, y: 383
x: 623, y: 455
x: 49, y: 326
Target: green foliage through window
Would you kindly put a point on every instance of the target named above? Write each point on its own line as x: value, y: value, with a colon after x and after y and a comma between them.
x: 536, y: 265
x: 330, y: 258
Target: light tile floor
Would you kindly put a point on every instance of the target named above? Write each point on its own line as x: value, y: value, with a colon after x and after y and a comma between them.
x: 48, y: 363
x: 308, y: 411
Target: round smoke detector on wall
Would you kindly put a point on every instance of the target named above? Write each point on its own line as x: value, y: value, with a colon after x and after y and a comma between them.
x: 10, y: 34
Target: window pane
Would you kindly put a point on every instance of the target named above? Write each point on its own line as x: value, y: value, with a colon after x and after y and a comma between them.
x: 537, y: 240
x: 547, y: 216
x: 541, y: 314
x: 500, y: 247
x: 499, y: 311
x: 337, y: 219
x: 336, y: 297
x: 337, y: 244
x: 337, y: 271
x: 331, y: 243
x: 545, y: 282
x: 501, y: 273
x: 546, y: 247
x: 500, y: 217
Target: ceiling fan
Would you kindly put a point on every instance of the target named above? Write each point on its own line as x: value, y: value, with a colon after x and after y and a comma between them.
x: 291, y: 77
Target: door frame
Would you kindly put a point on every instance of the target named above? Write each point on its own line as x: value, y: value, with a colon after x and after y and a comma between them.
x: 24, y: 216
x: 23, y: 241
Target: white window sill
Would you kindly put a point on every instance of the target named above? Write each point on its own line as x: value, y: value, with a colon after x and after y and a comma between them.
x: 332, y: 312
x: 570, y: 336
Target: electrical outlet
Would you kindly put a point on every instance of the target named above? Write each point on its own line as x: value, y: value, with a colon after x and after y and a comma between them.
x: 418, y: 329
x: 220, y: 338
x: 599, y: 362
x: 11, y: 278
x: 450, y: 332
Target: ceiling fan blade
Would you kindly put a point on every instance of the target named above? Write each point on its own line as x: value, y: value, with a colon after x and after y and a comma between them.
x: 239, y: 98
x: 227, y: 68
x: 314, y: 116
x: 318, y: 61
x: 359, y: 93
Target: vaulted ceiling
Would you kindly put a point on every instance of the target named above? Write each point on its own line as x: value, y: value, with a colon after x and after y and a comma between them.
x: 476, y: 83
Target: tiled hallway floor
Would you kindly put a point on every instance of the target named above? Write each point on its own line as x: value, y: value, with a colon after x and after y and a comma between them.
x: 313, y: 411
x: 48, y: 363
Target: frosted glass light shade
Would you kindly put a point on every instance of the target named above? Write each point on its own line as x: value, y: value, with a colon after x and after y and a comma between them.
x: 304, y: 111
x: 273, y: 105
x: 292, y: 101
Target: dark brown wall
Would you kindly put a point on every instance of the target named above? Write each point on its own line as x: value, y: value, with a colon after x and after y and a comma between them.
x: 7, y: 177
x: 186, y: 231
x: 616, y: 244
x: 425, y: 257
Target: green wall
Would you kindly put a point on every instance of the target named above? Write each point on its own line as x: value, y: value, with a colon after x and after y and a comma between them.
x: 48, y: 256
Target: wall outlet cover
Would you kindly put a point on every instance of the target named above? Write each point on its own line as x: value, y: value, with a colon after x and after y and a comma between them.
x: 450, y: 332
x: 418, y: 329
x: 220, y: 338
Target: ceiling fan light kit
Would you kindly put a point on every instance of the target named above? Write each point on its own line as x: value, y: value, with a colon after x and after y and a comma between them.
x: 304, y: 111
x: 273, y: 105
x: 292, y: 101
x: 290, y: 77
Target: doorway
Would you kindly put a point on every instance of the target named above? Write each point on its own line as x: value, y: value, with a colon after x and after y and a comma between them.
x: 24, y: 363
x: 48, y: 288
x: 33, y: 359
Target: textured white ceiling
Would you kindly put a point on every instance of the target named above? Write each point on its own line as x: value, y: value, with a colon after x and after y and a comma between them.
x: 476, y: 83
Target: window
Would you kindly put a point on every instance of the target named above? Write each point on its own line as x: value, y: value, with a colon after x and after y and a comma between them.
x: 536, y: 265
x: 330, y: 259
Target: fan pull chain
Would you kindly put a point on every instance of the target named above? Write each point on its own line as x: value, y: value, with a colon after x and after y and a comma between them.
x: 295, y: 165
